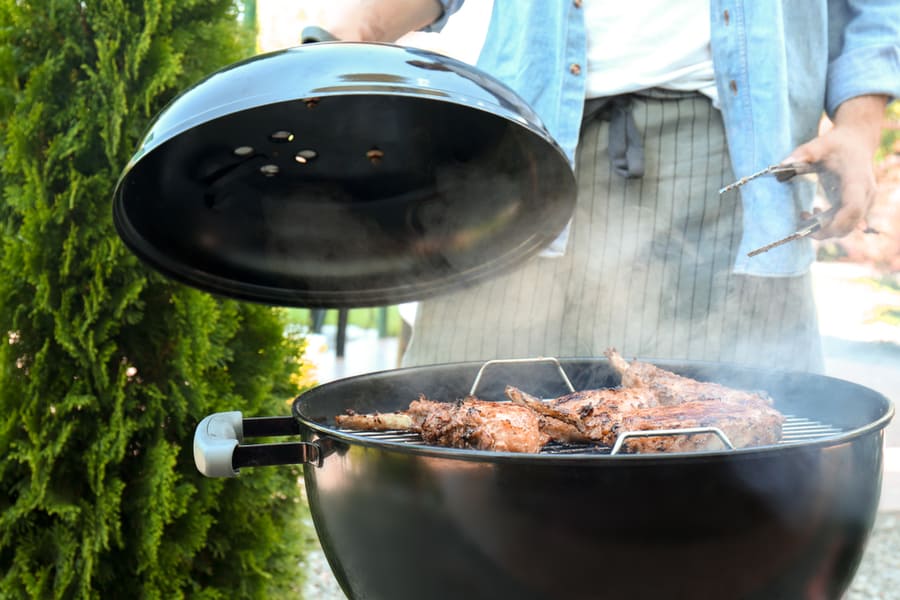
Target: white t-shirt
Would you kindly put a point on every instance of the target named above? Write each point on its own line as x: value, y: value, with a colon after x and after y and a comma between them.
x: 639, y: 44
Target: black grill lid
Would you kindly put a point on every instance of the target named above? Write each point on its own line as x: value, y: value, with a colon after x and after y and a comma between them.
x: 340, y: 175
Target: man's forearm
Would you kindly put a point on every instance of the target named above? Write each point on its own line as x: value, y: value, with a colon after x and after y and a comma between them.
x: 378, y: 20
x: 866, y: 114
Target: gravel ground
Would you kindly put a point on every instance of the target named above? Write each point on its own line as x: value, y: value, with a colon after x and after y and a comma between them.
x: 878, y: 577
x: 320, y: 583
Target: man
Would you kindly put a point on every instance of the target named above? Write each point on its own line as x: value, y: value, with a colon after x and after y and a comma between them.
x: 658, y: 105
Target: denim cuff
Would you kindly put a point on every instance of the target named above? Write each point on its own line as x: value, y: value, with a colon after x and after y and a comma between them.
x: 448, y: 7
x: 862, y: 71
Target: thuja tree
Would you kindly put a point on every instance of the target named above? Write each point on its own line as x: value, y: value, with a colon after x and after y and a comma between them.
x: 105, y: 367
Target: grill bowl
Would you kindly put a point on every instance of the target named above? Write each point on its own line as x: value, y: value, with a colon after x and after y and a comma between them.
x: 402, y: 520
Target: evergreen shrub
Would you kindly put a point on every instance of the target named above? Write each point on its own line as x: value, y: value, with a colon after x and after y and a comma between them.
x: 105, y: 366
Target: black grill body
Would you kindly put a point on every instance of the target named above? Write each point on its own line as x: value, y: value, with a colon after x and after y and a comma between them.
x: 399, y: 519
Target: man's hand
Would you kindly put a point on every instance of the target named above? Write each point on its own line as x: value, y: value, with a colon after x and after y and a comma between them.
x: 378, y: 20
x: 846, y: 151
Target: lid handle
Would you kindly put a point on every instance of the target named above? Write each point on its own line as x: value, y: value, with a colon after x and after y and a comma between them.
x: 313, y: 35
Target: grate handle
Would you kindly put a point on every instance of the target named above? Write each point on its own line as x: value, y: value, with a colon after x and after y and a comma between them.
x: 620, y: 441
x: 509, y: 361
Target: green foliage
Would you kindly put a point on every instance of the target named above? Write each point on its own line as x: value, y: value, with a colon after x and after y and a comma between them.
x: 890, y: 136
x: 886, y: 314
x: 885, y: 285
x: 105, y: 367
x: 385, y: 319
x: 888, y: 282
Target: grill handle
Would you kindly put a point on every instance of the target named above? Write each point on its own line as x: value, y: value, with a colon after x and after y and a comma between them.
x: 511, y: 361
x: 218, y: 451
x: 620, y: 441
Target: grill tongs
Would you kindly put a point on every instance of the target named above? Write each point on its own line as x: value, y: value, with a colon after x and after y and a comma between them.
x: 784, y: 172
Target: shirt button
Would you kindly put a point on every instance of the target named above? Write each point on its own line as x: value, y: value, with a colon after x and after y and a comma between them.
x: 575, y: 69
x: 727, y: 17
x: 577, y: 3
x: 733, y: 85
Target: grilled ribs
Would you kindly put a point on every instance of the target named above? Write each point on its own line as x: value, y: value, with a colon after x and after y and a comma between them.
x: 467, y: 423
x: 744, y: 425
x: 655, y: 399
x: 601, y: 416
x: 746, y: 418
x: 650, y: 399
x: 670, y: 388
x: 582, y: 416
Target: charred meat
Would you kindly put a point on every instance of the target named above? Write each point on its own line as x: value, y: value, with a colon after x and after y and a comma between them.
x: 582, y: 416
x: 650, y: 399
x: 553, y: 427
x: 655, y: 399
x: 467, y: 423
x: 745, y: 426
x: 601, y: 416
x: 746, y: 417
x: 670, y: 388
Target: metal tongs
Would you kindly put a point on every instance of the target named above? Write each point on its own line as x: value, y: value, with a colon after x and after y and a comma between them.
x: 807, y: 227
x: 784, y: 172
x: 781, y: 172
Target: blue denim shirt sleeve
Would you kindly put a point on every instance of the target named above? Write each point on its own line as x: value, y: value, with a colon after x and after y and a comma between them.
x: 864, y: 50
x: 449, y: 7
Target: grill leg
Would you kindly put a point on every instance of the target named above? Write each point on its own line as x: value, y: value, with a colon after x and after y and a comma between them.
x: 341, y: 332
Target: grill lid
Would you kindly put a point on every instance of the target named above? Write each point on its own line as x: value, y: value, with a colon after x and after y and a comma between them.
x: 343, y: 174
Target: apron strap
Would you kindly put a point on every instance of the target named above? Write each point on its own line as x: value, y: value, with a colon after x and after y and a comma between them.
x: 626, y: 146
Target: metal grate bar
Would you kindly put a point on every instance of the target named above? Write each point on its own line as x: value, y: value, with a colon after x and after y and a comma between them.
x: 810, y: 427
x: 797, y: 429
x: 394, y: 435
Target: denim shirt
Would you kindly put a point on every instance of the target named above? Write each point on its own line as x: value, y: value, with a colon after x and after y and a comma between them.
x: 778, y: 65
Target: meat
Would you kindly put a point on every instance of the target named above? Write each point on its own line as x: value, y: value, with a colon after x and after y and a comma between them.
x: 650, y: 399
x: 601, y: 416
x: 473, y: 423
x: 375, y: 421
x: 746, y: 417
x: 670, y: 388
x: 553, y: 427
x: 467, y: 423
x: 581, y: 416
x: 655, y: 399
x: 744, y: 425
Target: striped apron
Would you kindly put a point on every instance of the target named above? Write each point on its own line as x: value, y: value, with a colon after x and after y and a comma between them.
x: 648, y: 268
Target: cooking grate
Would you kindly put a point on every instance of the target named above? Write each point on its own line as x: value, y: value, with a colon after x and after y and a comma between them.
x: 794, y: 430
